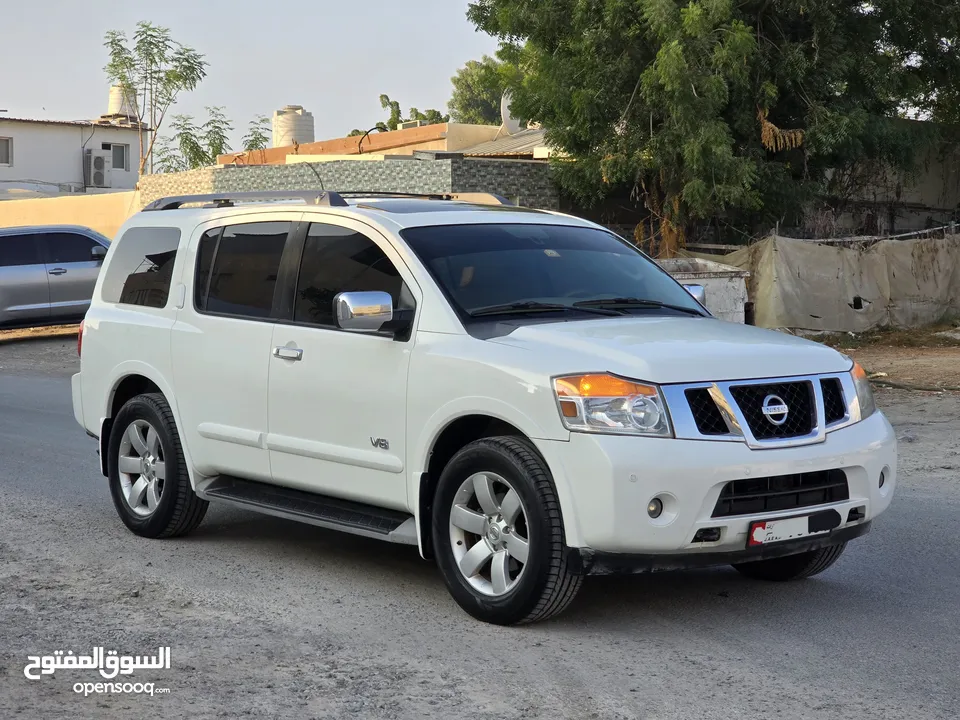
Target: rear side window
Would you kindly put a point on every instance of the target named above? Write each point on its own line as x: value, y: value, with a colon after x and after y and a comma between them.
x: 64, y: 247
x: 19, y: 250
x: 337, y: 260
x: 141, y: 268
x: 237, y: 269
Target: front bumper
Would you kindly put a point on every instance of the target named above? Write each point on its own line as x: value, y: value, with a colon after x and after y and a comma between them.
x: 605, y: 483
x: 589, y: 562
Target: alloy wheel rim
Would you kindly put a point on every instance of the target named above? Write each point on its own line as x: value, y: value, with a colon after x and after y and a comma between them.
x: 489, y: 534
x: 142, y: 467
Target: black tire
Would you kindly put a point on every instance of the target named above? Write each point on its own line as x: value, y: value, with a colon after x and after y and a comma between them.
x: 179, y: 510
x: 792, y: 567
x: 547, y: 585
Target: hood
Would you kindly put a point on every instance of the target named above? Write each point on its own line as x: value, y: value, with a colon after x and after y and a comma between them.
x: 673, y: 349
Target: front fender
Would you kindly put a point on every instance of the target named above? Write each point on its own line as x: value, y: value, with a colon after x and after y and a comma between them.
x: 500, y: 410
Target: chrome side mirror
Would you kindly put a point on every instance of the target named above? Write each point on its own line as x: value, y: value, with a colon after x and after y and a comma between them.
x: 98, y: 253
x: 363, y: 311
x: 698, y: 292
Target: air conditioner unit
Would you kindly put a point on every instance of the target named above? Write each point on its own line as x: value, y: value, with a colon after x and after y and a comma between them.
x: 409, y: 124
x: 97, y: 168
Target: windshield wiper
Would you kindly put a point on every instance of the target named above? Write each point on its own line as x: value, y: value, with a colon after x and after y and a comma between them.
x: 629, y: 302
x: 534, y: 306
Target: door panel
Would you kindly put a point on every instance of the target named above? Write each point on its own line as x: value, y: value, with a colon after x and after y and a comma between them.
x: 72, y: 274
x: 222, y: 340
x: 24, y: 289
x: 337, y: 399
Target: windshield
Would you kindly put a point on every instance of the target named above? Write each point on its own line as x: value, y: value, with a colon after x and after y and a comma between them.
x: 487, y: 268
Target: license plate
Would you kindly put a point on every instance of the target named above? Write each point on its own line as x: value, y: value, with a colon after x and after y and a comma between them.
x: 765, y: 532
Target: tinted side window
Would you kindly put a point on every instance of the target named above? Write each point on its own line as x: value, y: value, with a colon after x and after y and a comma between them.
x: 20, y: 250
x: 141, y: 270
x: 205, y: 253
x: 339, y: 260
x: 68, y: 247
x: 244, y: 271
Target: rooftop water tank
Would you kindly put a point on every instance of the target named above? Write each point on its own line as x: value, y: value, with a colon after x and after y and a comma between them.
x: 292, y: 124
x: 120, y: 105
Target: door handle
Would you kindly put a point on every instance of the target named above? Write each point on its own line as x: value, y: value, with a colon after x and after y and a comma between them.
x: 288, y: 353
x: 58, y: 271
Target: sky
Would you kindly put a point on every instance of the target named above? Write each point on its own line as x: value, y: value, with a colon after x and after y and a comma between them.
x: 334, y: 57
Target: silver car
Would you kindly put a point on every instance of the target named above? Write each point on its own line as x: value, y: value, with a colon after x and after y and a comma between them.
x: 47, y: 273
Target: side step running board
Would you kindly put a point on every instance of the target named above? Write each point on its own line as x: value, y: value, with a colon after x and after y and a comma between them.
x: 321, y: 510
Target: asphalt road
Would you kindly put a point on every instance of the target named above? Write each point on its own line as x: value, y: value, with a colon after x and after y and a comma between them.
x: 272, y: 619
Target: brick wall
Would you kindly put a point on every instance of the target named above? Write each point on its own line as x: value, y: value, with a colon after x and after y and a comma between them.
x: 524, y: 181
x: 192, y: 182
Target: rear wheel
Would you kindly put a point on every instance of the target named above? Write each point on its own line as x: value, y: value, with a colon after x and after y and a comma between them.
x: 147, y: 471
x: 793, y: 567
x: 498, y: 534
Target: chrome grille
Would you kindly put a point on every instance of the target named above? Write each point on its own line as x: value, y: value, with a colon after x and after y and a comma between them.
x: 732, y: 410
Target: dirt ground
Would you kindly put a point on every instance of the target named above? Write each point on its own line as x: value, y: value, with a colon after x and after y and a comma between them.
x: 927, y: 358
x: 40, y: 350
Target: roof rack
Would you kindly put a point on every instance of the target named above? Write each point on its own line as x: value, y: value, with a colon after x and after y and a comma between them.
x: 229, y: 199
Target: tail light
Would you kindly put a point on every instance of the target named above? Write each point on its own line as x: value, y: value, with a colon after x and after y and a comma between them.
x: 80, y: 339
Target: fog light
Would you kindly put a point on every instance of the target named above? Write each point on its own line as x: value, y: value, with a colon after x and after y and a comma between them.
x: 655, y: 508
x: 883, y: 477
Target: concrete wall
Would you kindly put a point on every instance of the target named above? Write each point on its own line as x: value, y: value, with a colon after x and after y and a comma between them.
x: 53, y: 154
x: 525, y: 182
x: 891, y: 202
x: 104, y: 213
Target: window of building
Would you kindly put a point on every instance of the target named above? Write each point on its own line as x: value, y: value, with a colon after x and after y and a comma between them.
x: 68, y: 248
x: 121, y: 155
x: 337, y: 260
x: 141, y: 270
x: 20, y: 250
x: 6, y: 151
x: 242, y: 264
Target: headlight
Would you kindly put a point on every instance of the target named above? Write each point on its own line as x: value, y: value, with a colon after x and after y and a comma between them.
x: 609, y: 404
x: 865, y: 400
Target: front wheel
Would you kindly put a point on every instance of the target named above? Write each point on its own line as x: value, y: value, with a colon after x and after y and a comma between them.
x: 792, y: 567
x: 498, y: 534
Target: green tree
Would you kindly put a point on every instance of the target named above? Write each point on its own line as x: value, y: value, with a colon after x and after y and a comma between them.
x: 477, y: 89
x: 152, y: 71
x: 258, y: 134
x: 711, y: 108
x: 430, y: 117
x: 194, y: 146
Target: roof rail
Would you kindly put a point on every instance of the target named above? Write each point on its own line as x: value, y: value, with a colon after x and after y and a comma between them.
x: 229, y: 199
x: 482, y: 198
x: 389, y: 194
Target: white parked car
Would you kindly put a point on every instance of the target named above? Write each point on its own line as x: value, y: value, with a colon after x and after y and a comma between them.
x: 521, y: 394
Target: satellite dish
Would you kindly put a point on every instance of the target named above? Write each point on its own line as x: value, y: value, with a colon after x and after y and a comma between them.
x: 510, y: 124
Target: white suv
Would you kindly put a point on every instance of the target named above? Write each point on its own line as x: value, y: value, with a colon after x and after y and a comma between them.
x: 521, y: 394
